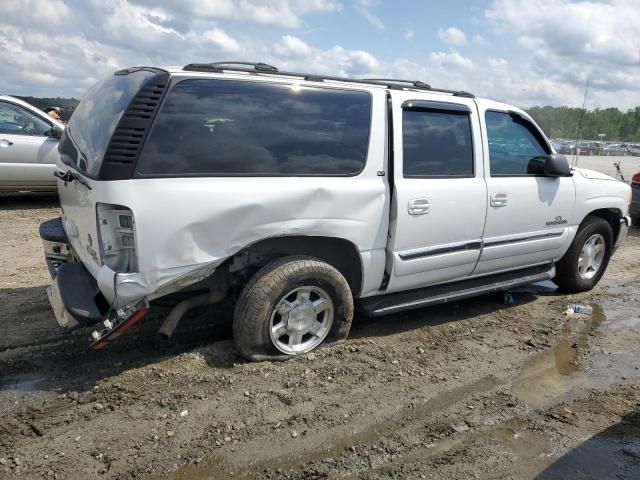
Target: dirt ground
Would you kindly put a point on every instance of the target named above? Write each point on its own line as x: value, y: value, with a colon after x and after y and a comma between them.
x: 475, y: 389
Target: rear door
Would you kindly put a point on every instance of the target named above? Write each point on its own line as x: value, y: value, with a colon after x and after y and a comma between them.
x: 528, y: 214
x: 440, y: 196
x: 27, y: 151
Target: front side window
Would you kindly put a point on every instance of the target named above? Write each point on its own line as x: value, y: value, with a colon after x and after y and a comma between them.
x: 15, y: 120
x: 514, y: 145
x: 436, y: 144
x: 227, y: 127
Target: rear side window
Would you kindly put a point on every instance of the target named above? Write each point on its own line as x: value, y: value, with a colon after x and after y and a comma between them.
x: 513, y: 144
x: 227, y: 127
x: 97, y: 115
x: 436, y: 143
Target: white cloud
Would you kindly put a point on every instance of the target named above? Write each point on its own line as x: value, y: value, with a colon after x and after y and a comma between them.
x: 49, y: 14
x: 480, y: 41
x: 220, y: 40
x: 281, y: 13
x: 336, y: 60
x: 61, y: 47
x: 497, y: 62
x: 453, y: 36
x: 364, y: 7
x: 292, y: 46
x: 452, y: 60
x: 572, y: 42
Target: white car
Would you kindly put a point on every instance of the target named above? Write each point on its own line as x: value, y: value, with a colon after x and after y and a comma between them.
x: 28, y: 147
x: 309, y: 196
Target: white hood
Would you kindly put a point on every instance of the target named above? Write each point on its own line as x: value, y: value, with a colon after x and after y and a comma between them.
x: 592, y: 174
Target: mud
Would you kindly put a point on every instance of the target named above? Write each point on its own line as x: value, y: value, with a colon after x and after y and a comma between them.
x: 475, y: 389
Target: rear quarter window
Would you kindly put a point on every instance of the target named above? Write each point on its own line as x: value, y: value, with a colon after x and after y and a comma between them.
x: 226, y: 128
x: 96, y: 117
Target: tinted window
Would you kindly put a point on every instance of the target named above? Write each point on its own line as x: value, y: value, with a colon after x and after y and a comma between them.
x: 20, y: 121
x: 225, y: 127
x: 97, y: 116
x: 436, y: 143
x: 513, y: 143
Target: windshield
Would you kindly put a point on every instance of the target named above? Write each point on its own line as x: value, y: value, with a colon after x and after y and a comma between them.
x: 97, y: 116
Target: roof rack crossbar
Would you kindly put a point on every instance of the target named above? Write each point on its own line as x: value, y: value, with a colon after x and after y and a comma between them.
x: 264, y: 68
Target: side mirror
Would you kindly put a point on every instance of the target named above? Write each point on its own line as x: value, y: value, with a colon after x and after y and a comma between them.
x: 55, y: 132
x: 553, y: 165
x: 557, y: 165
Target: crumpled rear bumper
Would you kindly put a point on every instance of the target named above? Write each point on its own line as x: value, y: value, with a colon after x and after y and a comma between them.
x: 74, y: 294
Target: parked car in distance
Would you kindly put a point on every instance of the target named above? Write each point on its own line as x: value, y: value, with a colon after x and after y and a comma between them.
x: 566, y: 147
x: 587, y: 148
x: 634, y: 208
x: 304, y: 197
x: 28, y: 147
x: 615, y: 150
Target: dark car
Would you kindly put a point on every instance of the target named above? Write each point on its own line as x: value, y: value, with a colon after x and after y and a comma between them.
x: 615, y: 150
x: 588, y: 148
x: 634, y: 209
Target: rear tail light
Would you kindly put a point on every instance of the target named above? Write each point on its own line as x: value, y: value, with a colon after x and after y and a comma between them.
x: 116, y: 226
x: 636, y: 178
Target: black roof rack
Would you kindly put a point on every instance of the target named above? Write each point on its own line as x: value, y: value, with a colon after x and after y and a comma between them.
x: 414, y: 83
x: 264, y: 68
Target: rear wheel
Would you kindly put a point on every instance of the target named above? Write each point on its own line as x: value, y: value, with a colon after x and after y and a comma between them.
x: 587, y: 258
x: 290, y: 307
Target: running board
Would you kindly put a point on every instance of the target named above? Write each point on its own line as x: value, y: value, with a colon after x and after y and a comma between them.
x: 448, y: 292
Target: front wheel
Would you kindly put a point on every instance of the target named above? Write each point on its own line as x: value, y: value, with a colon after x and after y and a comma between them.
x: 585, y: 262
x: 290, y: 307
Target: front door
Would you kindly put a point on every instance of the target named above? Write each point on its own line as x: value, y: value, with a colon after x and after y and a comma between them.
x: 439, y: 198
x: 528, y: 214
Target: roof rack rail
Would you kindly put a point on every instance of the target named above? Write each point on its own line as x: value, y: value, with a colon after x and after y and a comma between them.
x: 413, y: 83
x: 220, y: 66
x: 264, y: 68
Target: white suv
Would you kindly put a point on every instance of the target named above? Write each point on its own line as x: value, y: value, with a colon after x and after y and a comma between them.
x: 306, y: 197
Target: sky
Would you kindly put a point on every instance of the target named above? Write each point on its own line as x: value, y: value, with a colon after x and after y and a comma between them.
x: 524, y: 52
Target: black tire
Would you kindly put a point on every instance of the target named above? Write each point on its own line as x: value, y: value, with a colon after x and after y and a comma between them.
x: 567, y: 277
x: 252, y: 315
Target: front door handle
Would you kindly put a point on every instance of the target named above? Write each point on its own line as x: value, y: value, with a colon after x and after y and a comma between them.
x: 5, y: 143
x: 419, y: 206
x: 499, y: 199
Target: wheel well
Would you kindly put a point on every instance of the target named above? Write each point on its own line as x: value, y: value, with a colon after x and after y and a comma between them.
x: 611, y: 215
x: 337, y: 252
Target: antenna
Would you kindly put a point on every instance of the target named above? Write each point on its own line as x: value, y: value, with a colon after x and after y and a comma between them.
x: 575, y: 146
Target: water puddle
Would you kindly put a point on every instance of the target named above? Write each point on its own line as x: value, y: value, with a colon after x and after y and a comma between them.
x: 27, y: 382
x: 570, y: 366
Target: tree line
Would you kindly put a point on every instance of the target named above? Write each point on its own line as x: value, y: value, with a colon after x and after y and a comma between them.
x: 562, y: 122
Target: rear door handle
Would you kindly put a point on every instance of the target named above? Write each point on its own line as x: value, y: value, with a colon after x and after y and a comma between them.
x: 419, y: 206
x: 499, y: 199
x: 5, y: 143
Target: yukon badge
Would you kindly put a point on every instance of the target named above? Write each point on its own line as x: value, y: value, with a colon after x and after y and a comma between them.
x: 557, y: 221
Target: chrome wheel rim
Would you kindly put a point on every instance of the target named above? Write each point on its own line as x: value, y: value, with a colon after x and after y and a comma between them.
x: 591, y: 257
x: 301, y: 320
